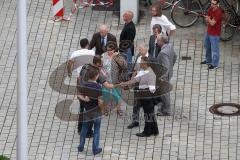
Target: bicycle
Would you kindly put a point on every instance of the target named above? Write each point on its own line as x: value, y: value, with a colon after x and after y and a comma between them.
x: 185, y: 13
x: 230, y: 24
x: 166, y: 4
x: 169, y: 3
x: 235, y: 4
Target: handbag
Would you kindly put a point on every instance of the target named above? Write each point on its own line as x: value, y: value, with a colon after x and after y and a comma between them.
x: 123, y: 74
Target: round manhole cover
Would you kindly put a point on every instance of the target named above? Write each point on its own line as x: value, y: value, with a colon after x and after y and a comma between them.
x: 225, y: 109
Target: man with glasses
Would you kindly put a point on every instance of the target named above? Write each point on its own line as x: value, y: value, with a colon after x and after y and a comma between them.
x: 214, y: 21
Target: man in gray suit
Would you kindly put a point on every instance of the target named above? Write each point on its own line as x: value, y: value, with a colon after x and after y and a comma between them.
x: 154, y: 49
x: 166, y: 57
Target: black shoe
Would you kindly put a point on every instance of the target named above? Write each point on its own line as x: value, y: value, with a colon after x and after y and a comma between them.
x: 132, y: 125
x: 155, y: 134
x: 143, y: 134
x: 99, y: 150
x: 211, y: 67
x: 163, y: 114
x: 80, y: 149
x: 203, y: 62
x: 159, y: 113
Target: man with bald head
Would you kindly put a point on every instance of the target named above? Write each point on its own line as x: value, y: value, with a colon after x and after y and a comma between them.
x: 128, y: 34
x: 100, y: 40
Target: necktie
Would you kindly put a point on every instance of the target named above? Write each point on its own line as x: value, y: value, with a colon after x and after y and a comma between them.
x: 124, y: 26
x: 102, y: 41
x: 154, y: 51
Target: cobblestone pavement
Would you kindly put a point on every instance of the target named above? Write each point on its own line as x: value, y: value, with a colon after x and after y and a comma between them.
x: 191, y: 133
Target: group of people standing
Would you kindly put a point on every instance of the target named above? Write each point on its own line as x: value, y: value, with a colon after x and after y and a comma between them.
x: 112, y: 68
x: 161, y: 52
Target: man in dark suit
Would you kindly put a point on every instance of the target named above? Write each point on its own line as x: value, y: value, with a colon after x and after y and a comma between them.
x: 128, y: 34
x: 154, y: 49
x: 100, y: 40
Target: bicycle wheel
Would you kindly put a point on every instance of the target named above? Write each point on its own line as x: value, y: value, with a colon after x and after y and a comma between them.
x: 227, y: 32
x: 234, y: 3
x: 186, y: 13
x: 165, y: 4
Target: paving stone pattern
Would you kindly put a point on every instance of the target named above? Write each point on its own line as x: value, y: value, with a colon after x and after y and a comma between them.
x: 191, y: 133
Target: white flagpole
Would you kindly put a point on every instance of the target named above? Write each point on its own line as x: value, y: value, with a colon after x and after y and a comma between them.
x: 22, y: 116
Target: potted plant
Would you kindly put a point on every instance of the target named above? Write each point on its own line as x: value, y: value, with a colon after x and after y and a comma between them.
x: 2, y: 157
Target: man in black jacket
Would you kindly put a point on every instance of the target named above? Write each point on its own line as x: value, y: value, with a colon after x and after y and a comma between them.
x: 127, y: 35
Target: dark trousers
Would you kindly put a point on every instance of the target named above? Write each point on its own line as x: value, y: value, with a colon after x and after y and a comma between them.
x: 136, y: 110
x: 149, y: 116
x: 136, y: 107
x: 80, y: 120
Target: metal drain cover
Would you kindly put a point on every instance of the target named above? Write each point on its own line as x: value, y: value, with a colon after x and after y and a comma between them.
x: 225, y: 109
x: 186, y: 58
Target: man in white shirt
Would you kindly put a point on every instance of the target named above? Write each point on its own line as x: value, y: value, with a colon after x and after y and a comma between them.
x: 147, y: 82
x: 78, y: 55
x: 76, y: 60
x: 158, y: 18
x: 138, y: 72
